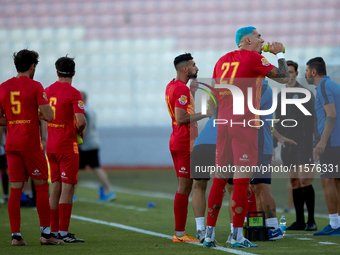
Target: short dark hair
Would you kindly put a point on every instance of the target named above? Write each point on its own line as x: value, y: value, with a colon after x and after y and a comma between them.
x: 294, y: 64
x: 65, y: 66
x: 24, y: 59
x: 318, y: 64
x: 182, y: 58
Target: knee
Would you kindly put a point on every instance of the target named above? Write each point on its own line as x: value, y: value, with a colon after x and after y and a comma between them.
x: 200, y: 185
x: 295, y: 183
x: 305, y: 182
x: 184, y: 189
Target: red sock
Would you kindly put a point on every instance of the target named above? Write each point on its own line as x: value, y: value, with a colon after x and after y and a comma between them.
x: 181, y: 211
x: 239, y: 201
x: 64, y: 216
x: 251, y: 205
x: 215, y: 201
x: 14, y: 209
x: 43, y: 204
x: 54, y: 220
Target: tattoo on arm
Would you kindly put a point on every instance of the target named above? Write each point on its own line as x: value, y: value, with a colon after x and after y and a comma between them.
x: 280, y: 74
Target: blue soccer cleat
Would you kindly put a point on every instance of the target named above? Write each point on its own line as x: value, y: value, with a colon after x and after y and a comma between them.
x: 328, y: 231
x: 275, y: 234
x: 209, y: 243
x: 245, y: 244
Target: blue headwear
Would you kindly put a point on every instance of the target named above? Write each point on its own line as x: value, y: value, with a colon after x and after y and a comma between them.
x: 242, y: 32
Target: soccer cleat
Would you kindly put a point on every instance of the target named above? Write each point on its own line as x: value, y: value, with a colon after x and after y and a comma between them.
x: 328, y: 231
x: 200, y: 234
x: 229, y: 238
x: 245, y: 244
x: 208, y: 243
x: 69, y: 238
x: 297, y: 226
x: 186, y: 238
x: 16, y: 242
x: 311, y: 227
x: 109, y: 197
x: 50, y: 241
x: 275, y: 234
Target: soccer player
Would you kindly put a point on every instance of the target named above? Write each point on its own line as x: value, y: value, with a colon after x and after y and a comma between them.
x: 62, y: 146
x: 327, y: 106
x: 297, y: 155
x: 20, y: 99
x: 181, y: 107
x: 262, y: 179
x: 236, y: 142
x: 88, y: 152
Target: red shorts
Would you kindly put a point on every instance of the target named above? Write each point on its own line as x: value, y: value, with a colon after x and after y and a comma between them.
x: 24, y: 164
x: 64, y: 167
x: 237, y: 145
x: 182, y: 163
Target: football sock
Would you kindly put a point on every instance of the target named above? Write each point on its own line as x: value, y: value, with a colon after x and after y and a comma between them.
x: 210, y: 233
x: 333, y: 220
x: 16, y: 236
x: 43, y: 204
x: 63, y: 233
x: 239, y: 201
x: 64, y: 217
x: 309, y: 197
x: 339, y: 219
x: 14, y: 209
x: 200, y: 223
x: 45, y: 232
x: 298, y: 199
x: 237, y: 234
x: 181, y: 211
x: 251, y: 206
x: 215, y: 201
x: 272, y: 222
x: 54, y: 221
x: 231, y: 228
x: 5, y: 182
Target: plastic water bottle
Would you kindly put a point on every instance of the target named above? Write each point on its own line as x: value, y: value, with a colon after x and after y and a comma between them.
x: 283, y: 225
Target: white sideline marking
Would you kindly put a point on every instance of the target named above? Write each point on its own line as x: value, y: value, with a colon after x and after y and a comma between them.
x: 327, y: 243
x: 304, y: 239
x: 151, y: 233
x: 112, y: 204
x: 298, y: 234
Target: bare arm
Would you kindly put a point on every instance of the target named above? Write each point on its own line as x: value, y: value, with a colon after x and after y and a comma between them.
x: 182, y: 117
x: 3, y: 121
x: 279, y: 74
x: 46, y: 112
x: 283, y: 139
x: 81, y: 122
x: 329, y: 125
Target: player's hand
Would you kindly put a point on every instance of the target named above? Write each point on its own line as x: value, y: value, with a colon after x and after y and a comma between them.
x: 193, y: 86
x: 315, y: 155
x: 320, y: 148
x: 209, y: 113
x: 275, y: 47
x: 284, y: 140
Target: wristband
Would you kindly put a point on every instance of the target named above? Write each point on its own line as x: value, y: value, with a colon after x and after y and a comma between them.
x: 280, y: 55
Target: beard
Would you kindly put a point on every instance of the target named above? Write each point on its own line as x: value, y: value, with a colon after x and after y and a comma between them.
x: 192, y: 75
x: 310, y: 81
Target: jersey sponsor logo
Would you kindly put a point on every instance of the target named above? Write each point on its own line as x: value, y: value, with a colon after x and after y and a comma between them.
x: 81, y: 105
x: 265, y: 62
x: 182, y: 100
x: 182, y: 170
x: 36, y: 172
x: 244, y: 157
x: 45, y: 96
x: 63, y: 175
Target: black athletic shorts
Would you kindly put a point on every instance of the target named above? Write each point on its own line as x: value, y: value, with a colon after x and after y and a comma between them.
x: 295, y: 155
x: 330, y: 162
x: 202, y: 158
x: 3, y: 161
x: 88, y: 158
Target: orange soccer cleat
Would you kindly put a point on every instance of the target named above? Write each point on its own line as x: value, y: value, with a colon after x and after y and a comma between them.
x: 184, y: 238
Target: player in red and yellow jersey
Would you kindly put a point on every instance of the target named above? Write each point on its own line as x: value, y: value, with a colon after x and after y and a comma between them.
x: 62, y: 146
x: 236, y: 138
x: 180, y: 104
x: 20, y: 99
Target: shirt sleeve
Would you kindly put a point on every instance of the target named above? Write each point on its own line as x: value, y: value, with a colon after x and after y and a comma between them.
x: 77, y: 102
x: 260, y: 64
x: 326, y: 93
x: 41, y: 95
x: 182, y: 97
